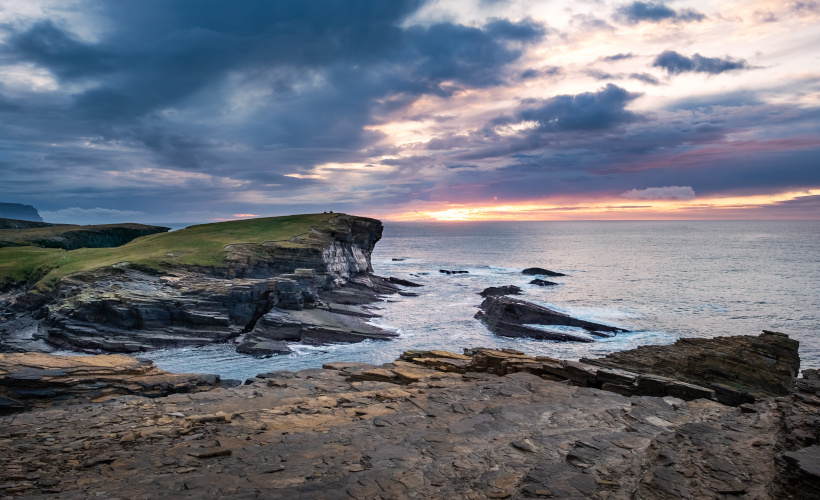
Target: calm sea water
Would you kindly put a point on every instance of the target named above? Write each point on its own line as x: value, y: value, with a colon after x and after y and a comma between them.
x: 659, y: 280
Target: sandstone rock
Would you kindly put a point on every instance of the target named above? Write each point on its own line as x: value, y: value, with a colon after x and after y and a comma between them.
x: 319, y: 434
x: 38, y: 380
x: 739, y: 369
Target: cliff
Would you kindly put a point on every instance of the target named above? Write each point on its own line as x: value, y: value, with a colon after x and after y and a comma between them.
x: 19, y: 212
x: 71, y: 237
x: 489, y: 424
x: 212, y: 283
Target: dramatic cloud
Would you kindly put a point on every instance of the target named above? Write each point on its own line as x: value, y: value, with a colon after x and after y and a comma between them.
x: 676, y: 63
x: 655, y: 12
x: 661, y: 193
x: 587, y: 111
x: 184, y: 110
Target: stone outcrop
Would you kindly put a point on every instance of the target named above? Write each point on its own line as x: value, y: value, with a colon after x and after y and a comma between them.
x: 541, y: 282
x: 133, y: 311
x: 33, y: 380
x: 739, y: 369
x: 316, y: 326
x: 536, y: 271
x: 341, y: 250
x: 510, y: 317
x: 497, y: 291
x: 425, y: 426
x: 19, y: 211
x: 71, y: 237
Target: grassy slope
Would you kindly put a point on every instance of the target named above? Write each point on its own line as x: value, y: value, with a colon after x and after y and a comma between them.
x: 202, y: 245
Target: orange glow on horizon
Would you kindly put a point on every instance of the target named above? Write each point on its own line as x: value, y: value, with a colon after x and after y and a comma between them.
x: 612, y: 209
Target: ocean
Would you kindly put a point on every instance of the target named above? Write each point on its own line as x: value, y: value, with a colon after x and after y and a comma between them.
x: 660, y: 280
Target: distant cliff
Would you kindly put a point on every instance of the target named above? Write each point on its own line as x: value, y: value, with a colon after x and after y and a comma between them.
x: 70, y: 237
x: 19, y: 212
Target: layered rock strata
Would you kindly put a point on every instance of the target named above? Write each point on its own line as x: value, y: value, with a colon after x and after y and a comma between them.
x: 32, y: 380
x: 739, y: 369
x: 511, y: 317
x: 413, y: 429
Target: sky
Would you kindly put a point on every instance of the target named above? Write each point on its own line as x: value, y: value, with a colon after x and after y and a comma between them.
x: 205, y: 110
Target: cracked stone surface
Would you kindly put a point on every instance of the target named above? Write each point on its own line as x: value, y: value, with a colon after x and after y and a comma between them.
x: 415, y: 428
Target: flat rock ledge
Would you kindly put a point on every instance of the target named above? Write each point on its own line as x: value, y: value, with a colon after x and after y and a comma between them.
x: 486, y: 424
x: 36, y: 380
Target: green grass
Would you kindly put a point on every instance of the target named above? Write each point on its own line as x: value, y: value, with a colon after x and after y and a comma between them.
x: 202, y: 245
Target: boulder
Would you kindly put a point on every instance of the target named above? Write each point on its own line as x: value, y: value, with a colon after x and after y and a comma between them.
x: 540, y: 282
x: 509, y: 317
x: 496, y: 291
x: 263, y: 349
x: 535, y: 271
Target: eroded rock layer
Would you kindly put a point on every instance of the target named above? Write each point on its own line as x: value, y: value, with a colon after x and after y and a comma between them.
x: 29, y: 380
x: 414, y: 429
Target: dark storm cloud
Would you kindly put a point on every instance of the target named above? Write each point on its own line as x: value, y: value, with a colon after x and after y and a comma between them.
x: 636, y: 12
x: 676, y: 63
x: 160, y: 83
x: 586, y: 111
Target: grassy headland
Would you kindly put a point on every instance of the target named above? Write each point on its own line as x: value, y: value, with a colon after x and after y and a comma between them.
x: 202, y: 245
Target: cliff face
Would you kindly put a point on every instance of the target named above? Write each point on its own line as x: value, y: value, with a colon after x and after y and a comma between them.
x: 71, y: 237
x: 341, y: 249
x: 19, y: 212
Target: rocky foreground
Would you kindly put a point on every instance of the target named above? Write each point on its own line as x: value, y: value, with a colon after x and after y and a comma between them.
x: 486, y: 424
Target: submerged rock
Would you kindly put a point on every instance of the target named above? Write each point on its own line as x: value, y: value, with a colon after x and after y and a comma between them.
x: 534, y: 271
x: 510, y: 318
x: 495, y: 291
x: 447, y: 271
x: 541, y: 282
x: 402, y: 282
x: 264, y: 348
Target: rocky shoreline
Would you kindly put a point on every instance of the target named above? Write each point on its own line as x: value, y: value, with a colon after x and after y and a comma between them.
x: 433, y: 424
x: 312, y: 288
